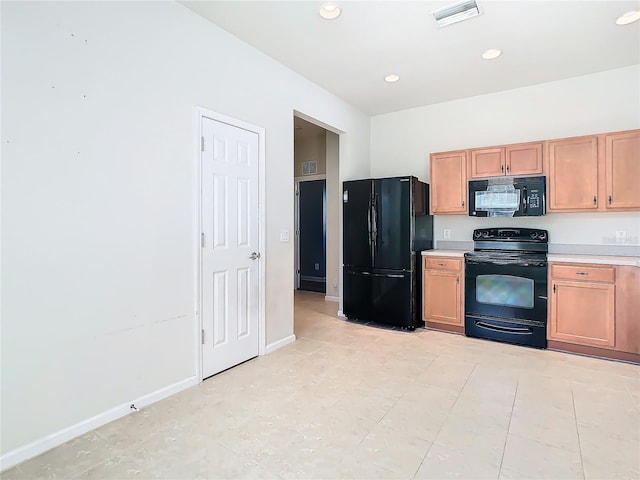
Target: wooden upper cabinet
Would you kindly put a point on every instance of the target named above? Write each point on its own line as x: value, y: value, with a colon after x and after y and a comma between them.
x: 572, y: 171
x: 448, y: 174
x: 511, y: 160
x: 524, y: 159
x: 584, y: 174
x: 622, y: 167
x: 487, y: 162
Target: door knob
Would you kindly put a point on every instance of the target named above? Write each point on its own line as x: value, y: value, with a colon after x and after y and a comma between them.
x: 254, y: 256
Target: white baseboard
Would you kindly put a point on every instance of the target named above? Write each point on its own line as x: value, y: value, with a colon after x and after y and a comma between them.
x: 272, y: 347
x: 331, y: 299
x: 340, y: 314
x: 41, y: 445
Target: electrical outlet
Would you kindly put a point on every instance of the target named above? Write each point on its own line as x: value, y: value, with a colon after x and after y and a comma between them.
x: 447, y: 233
x: 284, y: 236
x: 621, y: 236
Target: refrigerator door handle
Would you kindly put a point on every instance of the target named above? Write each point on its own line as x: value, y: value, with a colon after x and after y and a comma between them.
x: 369, y: 236
x: 374, y: 226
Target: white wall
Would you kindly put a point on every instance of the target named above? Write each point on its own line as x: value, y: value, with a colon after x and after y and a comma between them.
x: 608, y: 101
x: 334, y: 208
x: 99, y: 198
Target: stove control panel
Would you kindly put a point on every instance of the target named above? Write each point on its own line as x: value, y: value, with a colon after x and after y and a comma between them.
x: 511, y: 234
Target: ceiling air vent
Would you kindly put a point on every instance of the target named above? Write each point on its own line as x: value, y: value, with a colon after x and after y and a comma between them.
x: 456, y: 13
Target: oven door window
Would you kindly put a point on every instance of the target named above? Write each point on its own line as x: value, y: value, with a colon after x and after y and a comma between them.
x: 505, y: 291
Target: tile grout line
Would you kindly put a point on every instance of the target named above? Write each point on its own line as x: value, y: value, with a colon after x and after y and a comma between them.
x: 504, y: 449
x: 109, y: 445
x: 448, y: 413
x: 575, y: 416
x: 475, y: 364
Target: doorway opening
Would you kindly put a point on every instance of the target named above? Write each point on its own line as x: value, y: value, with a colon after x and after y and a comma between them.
x: 317, y: 208
x: 311, y: 235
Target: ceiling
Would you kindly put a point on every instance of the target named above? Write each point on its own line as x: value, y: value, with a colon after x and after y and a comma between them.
x: 542, y: 41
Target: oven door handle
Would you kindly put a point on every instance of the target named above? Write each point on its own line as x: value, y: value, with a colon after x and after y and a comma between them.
x: 520, y: 331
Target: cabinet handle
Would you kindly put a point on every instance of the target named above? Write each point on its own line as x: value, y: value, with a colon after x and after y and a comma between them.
x: 595, y: 200
x: 441, y: 264
x: 507, y: 168
x: 502, y: 168
x: 463, y: 203
x: 554, y: 288
x: 457, y: 280
x: 609, y: 199
x: 582, y: 273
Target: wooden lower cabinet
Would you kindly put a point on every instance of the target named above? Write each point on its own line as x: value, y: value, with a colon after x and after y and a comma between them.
x: 592, y: 310
x: 583, y: 312
x: 443, y: 287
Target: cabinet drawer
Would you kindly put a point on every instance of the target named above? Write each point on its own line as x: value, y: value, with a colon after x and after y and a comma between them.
x: 584, y: 273
x: 443, y: 263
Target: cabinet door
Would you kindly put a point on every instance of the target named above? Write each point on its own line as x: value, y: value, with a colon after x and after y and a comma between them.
x: 627, y: 308
x: 442, y: 297
x: 582, y: 313
x: 573, y: 174
x: 449, y: 182
x: 622, y: 164
x: 487, y: 162
x: 523, y: 159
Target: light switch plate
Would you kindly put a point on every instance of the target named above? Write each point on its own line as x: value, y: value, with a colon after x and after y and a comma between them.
x: 284, y: 236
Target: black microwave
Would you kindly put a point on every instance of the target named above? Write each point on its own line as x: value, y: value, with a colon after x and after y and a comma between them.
x: 507, y: 197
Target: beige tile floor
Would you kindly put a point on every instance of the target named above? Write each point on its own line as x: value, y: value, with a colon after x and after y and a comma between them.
x: 353, y: 401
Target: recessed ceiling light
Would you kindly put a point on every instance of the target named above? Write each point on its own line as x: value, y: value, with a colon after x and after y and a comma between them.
x: 392, y: 78
x: 330, y: 11
x: 628, y: 17
x: 491, y: 54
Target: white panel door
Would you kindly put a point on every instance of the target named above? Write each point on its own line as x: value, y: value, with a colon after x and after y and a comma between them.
x: 230, y: 257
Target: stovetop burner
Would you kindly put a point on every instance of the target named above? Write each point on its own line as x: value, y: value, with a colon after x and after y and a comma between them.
x: 514, y: 240
x: 522, y: 246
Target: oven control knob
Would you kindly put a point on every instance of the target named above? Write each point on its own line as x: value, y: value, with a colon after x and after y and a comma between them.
x: 542, y: 235
x: 477, y: 234
x: 485, y: 234
x: 534, y: 234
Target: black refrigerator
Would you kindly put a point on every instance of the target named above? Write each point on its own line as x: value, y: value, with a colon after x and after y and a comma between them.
x: 386, y: 223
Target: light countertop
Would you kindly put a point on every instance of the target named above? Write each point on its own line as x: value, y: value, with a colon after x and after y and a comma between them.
x: 596, y: 259
x: 443, y: 253
x: 554, y: 257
